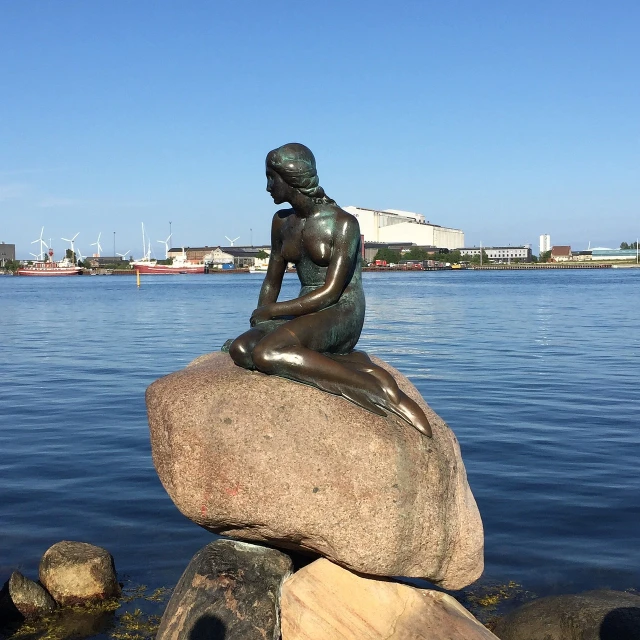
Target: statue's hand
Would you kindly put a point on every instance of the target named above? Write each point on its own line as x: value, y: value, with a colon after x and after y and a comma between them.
x: 261, y: 314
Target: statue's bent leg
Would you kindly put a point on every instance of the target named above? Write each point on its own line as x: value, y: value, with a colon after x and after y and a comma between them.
x: 283, y: 352
x: 360, y: 361
x: 241, y: 348
x: 400, y: 403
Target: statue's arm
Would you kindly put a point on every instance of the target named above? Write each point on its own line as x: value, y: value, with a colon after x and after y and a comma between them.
x: 277, y: 266
x: 343, y: 260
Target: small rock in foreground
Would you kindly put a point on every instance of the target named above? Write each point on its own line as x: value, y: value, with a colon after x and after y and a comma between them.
x: 328, y: 602
x: 78, y: 573
x: 230, y: 591
x: 593, y: 615
x: 28, y: 597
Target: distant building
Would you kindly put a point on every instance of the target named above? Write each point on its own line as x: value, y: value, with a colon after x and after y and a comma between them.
x: 395, y: 226
x: 7, y: 252
x: 581, y: 256
x: 545, y: 243
x: 106, y: 261
x: 500, y: 254
x: 194, y: 254
x: 218, y: 257
x: 247, y: 256
x: 613, y: 254
x: 371, y: 248
x: 561, y: 253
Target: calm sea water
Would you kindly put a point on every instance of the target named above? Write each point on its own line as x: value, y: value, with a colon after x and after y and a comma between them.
x: 538, y: 373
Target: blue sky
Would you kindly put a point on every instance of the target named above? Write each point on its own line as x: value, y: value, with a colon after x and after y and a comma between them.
x: 504, y: 119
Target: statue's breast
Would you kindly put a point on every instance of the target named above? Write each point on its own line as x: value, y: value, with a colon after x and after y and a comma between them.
x: 318, y: 242
x: 291, y: 236
x: 291, y: 250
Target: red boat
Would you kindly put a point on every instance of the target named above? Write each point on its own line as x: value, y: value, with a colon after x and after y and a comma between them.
x: 179, y: 264
x: 50, y: 268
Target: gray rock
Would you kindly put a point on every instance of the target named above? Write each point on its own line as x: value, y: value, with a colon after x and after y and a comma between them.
x: 28, y: 597
x: 230, y: 591
x: 268, y: 460
x: 78, y: 573
x: 593, y: 615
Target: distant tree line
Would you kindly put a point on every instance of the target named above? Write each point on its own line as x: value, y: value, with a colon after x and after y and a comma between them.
x: 416, y: 253
x: 626, y: 245
x: 11, y: 265
x: 545, y: 256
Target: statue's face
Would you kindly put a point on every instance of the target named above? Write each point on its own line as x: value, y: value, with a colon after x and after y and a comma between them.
x: 277, y: 187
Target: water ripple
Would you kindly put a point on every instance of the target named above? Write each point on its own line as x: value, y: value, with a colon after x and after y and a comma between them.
x: 536, y: 372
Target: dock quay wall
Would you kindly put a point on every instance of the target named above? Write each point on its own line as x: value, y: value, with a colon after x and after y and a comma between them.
x: 545, y: 265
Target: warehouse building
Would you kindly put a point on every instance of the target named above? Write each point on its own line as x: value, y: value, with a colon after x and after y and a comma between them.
x: 7, y: 253
x: 500, y: 254
x: 395, y: 226
x: 614, y: 254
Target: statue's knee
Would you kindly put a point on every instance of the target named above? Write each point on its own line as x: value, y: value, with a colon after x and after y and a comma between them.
x: 240, y: 354
x: 264, y: 358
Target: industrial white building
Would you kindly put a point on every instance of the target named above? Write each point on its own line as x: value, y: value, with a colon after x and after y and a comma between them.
x: 602, y: 253
x: 392, y: 225
x: 500, y: 254
x: 545, y: 243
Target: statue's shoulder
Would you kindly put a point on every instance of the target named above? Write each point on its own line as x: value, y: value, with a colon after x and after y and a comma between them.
x: 349, y: 220
x: 280, y: 217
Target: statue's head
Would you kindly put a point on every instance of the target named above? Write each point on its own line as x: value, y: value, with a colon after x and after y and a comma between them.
x: 295, y: 164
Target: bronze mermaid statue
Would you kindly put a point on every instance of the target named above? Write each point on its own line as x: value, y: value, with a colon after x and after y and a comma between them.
x: 311, y: 338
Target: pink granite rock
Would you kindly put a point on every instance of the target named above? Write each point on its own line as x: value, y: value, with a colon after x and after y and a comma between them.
x: 264, y: 459
x: 325, y: 601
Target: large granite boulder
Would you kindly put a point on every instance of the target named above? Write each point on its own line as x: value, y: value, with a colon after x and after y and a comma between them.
x: 325, y: 601
x: 592, y: 615
x: 262, y: 458
x: 229, y: 591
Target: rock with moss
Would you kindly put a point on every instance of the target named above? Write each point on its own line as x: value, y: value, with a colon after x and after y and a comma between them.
x: 78, y: 573
x: 593, y: 615
x: 23, y: 597
x: 230, y: 590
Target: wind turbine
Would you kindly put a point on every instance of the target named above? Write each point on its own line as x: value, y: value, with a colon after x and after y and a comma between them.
x: 80, y: 256
x: 97, y: 244
x: 42, y: 242
x: 124, y: 255
x: 71, y: 242
x: 166, y: 246
x: 232, y: 241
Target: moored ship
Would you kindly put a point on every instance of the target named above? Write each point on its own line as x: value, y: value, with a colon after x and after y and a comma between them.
x: 50, y: 268
x: 153, y: 268
x: 179, y: 265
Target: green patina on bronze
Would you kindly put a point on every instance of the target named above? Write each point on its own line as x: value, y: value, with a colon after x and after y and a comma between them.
x: 311, y: 339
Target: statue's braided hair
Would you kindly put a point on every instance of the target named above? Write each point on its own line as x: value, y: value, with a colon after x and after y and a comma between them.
x: 297, y: 167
